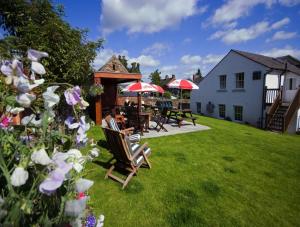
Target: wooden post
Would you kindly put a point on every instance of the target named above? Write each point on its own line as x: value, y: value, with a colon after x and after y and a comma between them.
x: 98, y: 105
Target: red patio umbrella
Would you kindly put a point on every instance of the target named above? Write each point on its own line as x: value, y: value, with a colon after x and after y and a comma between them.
x: 140, y: 87
x: 158, y: 88
x: 182, y: 85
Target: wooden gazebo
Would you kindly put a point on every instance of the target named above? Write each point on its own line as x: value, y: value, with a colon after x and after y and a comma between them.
x: 109, y: 76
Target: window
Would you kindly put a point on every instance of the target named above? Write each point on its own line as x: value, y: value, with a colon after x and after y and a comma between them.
x: 114, y: 67
x: 198, y: 107
x: 223, y: 82
x: 222, y: 110
x: 291, y: 84
x: 238, y: 113
x: 239, y: 80
x: 256, y: 75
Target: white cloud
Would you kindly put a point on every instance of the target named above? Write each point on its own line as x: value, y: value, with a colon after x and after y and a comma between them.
x: 144, y: 15
x: 244, y: 34
x: 145, y: 60
x: 168, y: 69
x: 104, y: 55
x: 157, y: 49
x: 187, y: 40
x: 190, y: 65
x: 278, y: 52
x: 190, y: 59
x: 212, y: 59
x: 234, y: 9
x: 289, y: 2
x: 282, y: 35
x: 280, y: 23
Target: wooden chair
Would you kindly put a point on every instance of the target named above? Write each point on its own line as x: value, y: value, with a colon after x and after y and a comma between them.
x: 112, y: 124
x: 128, y: 157
x: 160, y: 120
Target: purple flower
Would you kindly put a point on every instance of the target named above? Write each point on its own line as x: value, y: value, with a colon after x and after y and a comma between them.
x: 81, y: 133
x: 90, y: 221
x: 70, y: 123
x: 55, y: 178
x: 72, y: 96
x: 35, y: 55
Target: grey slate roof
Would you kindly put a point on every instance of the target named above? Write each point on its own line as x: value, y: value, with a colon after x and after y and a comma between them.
x: 272, y: 63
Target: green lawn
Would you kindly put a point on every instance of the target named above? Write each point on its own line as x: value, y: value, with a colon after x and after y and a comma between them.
x: 231, y: 175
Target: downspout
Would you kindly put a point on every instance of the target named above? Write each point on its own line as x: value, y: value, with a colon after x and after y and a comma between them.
x: 263, y: 98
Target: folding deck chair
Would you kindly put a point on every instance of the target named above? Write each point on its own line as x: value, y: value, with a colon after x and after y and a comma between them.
x: 112, y: 124
x: 160, y: 120
x: 128, y: 156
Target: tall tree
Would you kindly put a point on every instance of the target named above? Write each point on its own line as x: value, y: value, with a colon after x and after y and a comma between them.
x: 135, y: 66
x: 39, y: 25
x: 155, y: 77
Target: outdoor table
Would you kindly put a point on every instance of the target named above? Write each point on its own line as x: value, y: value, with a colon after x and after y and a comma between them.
x: 180, y: 115
x: 147, y: 117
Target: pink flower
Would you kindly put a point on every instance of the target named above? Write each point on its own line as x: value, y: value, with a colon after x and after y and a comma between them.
x: 5, y: 122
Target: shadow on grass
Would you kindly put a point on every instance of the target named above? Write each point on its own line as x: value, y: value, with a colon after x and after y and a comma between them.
x: 133, y: 187
x: 230, y: 170
x: 211, y: 188
x: 228, y: 158
x: 185, y: 217
x: 180, y: 157
x: 183, y: 214
x: 103, y: 143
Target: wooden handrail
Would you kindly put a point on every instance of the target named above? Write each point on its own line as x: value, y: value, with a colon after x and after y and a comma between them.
x: 294, y: 105
x: 273, y: 108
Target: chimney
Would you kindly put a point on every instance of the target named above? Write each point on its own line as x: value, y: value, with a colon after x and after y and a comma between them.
x: 173, y: 76
x: 194, y: 77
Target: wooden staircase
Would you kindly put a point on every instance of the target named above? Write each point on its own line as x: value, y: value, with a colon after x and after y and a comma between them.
x: 276, y: 122
x: 280, y: 114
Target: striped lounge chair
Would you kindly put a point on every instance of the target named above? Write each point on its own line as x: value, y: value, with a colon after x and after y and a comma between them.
x: 112, y: 124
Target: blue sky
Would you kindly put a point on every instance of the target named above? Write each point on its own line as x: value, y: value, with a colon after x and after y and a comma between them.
x: 179, y: 36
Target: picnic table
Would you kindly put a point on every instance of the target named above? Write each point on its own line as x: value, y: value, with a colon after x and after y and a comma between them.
x: 180, y: 115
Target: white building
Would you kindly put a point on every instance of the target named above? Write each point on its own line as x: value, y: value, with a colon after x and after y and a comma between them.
x: 253, y: 89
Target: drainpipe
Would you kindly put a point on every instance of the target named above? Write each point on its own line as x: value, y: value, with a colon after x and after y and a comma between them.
x: 263, y: 98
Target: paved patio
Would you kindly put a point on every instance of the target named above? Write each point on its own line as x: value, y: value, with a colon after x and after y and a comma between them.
x: 173, y: 129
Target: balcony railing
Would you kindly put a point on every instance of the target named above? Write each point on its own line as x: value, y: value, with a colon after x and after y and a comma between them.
x: 271, y: 95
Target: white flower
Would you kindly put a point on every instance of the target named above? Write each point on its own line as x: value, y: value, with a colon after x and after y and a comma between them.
x: 26, y: 120
x: 74, y: 208
x: 95, y: 152
x: 32, y: 120
x: 19, y: 176
x: 76, y: 158
x: 25, y: 99
x: 35, y: 55
x: 38, y: 68
x: 83, y: 185
x: 83, y: 104
x: 41, y: 157
x: 77, y: 166
x: 50, y: 98
x: 100, y: 221
x: 75, y: 153
x: 14, y: 110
